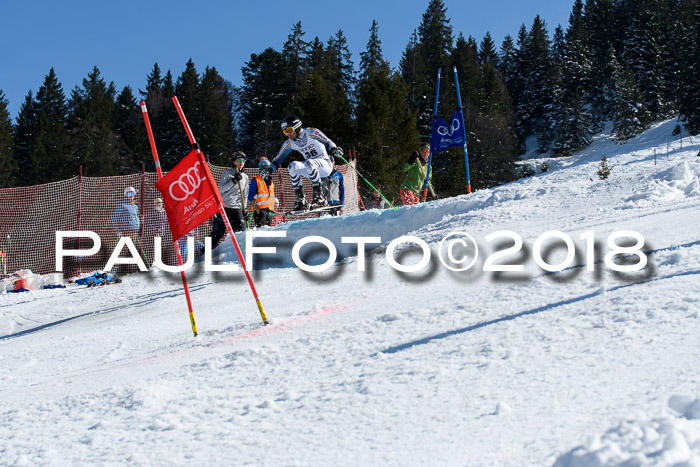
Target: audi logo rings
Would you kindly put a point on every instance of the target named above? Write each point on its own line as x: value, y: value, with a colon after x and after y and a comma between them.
x: 449, y: 130
x: 187, y: 184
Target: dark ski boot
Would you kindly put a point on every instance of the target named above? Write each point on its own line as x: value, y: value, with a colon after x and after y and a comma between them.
x: 318, y: 200
x: 301, y: 204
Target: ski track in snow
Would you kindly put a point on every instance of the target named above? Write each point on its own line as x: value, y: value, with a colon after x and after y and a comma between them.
x: 575, y: 368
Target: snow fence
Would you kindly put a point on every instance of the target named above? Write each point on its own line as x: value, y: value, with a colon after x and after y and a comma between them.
x: 30, y: 216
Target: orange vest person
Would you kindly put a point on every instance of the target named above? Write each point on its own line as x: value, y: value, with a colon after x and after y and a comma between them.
x: 261, y: 195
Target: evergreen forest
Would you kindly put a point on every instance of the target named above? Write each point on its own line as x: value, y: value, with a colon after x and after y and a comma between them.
x: 625, y: 62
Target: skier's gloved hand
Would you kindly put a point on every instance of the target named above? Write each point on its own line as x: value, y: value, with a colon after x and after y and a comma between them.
x: 237, y: 178
x: 413, y: 157
x: 337, y: 152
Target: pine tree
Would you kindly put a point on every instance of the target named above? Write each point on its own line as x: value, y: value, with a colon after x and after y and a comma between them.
x: 642, y: 53
x: 436, y: 42
x: 386, y: 127
x: 435, y: 34
x: 295, y: 53
x: 91, y: 109
x: 262, y: 104
x: 133, y: 148
x: 574, y: 121
x: 492, y: 154
x: 631, y: 116
x: 326, y: 100
x: 690, y: 101
x: 50, y: 145
x: 371, y: 58
x: 413, y: 68
x: 339, y: 74
x: 487, y: 51
x: 315, y: 104
x: 506, y: 59
x: 465, y: 58
x: 535, y: 105
x: 489, y: 120
x: 186, y: 90
x: 216, y: 135
x: 604, y: 170
x: 516, y: 83
x: 317, y: 52
x: 673, y: 54
x: 600, y: 23
x: 165, y: 123
x: 25, y: 142
x: 492, y: 88
x: 7, y: 160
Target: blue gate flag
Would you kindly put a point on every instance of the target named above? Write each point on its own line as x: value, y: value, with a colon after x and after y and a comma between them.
x: 448, y: 135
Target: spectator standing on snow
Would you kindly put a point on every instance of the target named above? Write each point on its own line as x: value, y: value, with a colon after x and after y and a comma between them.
x: 233, y: 183
x: 416, y: 168
x: 261, y: 194
x: 126, y: 223
x: 125, y: 219
x: 156, y: 225
x: 334, y: 190
x: 156, y: 222
x: 375, y: 201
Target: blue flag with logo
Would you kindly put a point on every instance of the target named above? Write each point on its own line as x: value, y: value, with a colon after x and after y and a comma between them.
x: 447, y: 135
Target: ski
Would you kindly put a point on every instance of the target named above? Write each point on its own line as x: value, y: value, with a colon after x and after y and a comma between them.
x: 308, y: 211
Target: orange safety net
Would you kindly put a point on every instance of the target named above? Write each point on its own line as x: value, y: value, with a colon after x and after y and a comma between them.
x: 30, y: 217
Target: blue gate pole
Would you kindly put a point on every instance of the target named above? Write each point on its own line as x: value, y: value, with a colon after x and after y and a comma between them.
x: 461, y: 115
x: 432, y: 138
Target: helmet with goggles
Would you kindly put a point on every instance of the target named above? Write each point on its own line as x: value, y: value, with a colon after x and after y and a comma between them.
x: 264, y: 163
x: 290, y: 124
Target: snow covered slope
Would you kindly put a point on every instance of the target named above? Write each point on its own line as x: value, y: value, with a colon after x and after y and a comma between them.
x: 386, y: 368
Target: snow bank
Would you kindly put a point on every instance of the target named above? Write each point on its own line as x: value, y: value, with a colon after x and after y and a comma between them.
x: 677, y: 182
x: 388, y: 223
x: 669, y: 440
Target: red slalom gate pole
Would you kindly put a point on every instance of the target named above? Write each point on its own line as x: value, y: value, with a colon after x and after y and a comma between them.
x: 147, y: 121
x: 215, y: 189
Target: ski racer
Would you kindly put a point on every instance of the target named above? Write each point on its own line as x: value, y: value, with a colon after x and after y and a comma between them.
x: 317, y: 150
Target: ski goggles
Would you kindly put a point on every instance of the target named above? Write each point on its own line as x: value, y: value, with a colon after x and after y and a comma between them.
x: 130, y: 193
x: 288, y: 131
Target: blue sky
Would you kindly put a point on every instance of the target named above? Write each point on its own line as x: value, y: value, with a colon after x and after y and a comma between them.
x: 124, y: 39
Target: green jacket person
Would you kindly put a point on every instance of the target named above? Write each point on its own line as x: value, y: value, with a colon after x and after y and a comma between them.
x: 416, y: 168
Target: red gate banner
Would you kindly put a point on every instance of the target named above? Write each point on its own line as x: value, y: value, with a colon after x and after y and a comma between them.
x: 188, y: 196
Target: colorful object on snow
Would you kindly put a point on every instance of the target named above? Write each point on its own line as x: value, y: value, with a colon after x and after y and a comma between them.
x: 98, y: 279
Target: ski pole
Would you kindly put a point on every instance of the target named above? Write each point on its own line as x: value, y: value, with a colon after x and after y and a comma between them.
x: 247, y: 228
x: 337, y: 154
